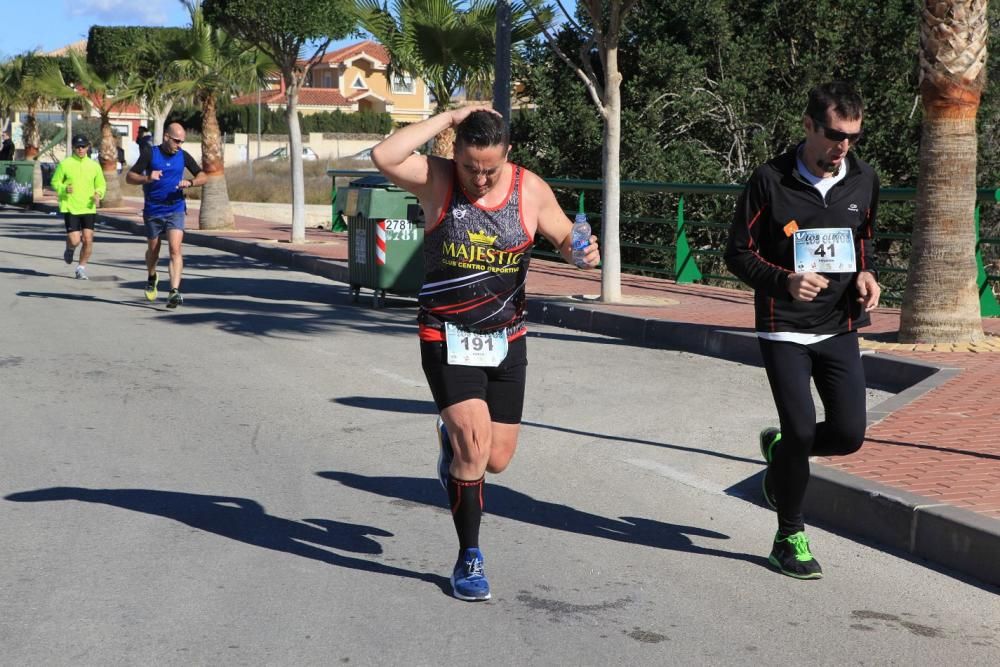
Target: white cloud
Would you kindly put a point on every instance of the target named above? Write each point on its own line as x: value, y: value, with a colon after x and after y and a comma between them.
x: 120, y: 12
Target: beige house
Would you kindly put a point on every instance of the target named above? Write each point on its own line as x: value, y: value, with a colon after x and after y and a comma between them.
x: 352, y: 79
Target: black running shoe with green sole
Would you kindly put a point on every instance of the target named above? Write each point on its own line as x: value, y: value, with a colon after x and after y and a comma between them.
x: 151, y: 284
x: 792, y: 557
x: 769, y: 437
x: 174, y: 299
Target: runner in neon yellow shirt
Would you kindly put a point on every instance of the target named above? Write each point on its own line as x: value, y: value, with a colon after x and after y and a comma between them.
x: 80, y: 184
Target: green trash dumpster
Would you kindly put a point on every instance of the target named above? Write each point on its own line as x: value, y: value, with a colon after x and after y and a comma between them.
x: 385, y: 235
x: 16, y: 182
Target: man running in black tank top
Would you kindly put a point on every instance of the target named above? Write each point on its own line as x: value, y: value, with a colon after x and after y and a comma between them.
x: 482, y: 214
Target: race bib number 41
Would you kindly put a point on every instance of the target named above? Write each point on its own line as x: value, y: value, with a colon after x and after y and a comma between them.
x: 466, y: 348
x: 825, y: 250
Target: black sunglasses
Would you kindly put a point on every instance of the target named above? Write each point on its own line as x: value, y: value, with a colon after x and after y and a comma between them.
x: 836, y: 135
x: 175, y: 140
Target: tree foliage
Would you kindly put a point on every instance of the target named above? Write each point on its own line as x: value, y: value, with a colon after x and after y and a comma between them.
x: 285, y: 31
x: 714, y: 88
x: 450, y: 44
x: 282, y: 29
x: 116, y: 49
x: 244, y: 119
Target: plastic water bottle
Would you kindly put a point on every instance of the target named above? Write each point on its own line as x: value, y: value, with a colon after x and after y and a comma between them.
x: 581, y: 236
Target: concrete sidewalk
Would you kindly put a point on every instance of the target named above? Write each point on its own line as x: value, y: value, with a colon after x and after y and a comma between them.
x: 926, y: 482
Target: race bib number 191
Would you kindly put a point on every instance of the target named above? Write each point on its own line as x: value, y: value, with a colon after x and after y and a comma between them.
x: 466, y: 348
x: 825, y: 250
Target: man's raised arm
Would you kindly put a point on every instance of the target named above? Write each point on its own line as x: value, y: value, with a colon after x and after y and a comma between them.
x: 395, y: 156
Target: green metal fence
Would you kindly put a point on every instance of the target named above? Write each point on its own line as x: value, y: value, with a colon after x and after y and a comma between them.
x: 692, y: 245
x: 695, y: 242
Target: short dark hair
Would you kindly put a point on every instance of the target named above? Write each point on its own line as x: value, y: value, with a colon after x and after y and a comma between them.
x: 482, y: 129
x: 837, y: 95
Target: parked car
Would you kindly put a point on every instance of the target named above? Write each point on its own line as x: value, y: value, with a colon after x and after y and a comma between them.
x: 361, y: 156
x: 366, y: 155
x: 308, y: 154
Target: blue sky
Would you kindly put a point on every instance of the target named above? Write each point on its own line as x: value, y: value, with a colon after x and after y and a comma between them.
x: 50, y: 24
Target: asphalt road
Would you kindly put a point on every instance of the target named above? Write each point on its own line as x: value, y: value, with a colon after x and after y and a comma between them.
x: 249, y: 480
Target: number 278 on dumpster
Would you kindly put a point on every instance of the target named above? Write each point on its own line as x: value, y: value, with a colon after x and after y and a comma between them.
x: 400, y: 230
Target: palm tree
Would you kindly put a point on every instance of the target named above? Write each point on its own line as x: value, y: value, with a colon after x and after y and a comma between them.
x: 106, y: 95
x: 941, y: 301
x: 214, y: 65
x: 30, y: 65
x: 30, y: 74
x: 450, y: 44
x: 10, y: 90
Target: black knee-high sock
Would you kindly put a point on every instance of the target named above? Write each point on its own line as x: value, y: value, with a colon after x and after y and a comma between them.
x: 466, y: 509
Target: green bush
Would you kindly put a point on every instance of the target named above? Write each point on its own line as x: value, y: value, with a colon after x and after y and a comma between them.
x: 244, y: 119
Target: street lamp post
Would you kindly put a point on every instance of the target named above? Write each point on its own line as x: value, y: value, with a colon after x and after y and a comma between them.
x: 501, y: 69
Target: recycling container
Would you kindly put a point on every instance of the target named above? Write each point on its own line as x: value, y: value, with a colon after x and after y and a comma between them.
x: 385, y: 234
x: 16, y: 182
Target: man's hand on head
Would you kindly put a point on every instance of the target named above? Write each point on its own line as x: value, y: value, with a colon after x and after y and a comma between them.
x: 460, y: 114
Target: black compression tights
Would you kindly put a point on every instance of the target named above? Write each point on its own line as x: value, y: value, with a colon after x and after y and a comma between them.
x: 835, y: 366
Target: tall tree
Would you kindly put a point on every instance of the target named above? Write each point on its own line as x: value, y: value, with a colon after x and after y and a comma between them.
x: 602, y: 34
x: 450, y: 44
x: 214, y: 65
x: 11, y: 75
x: 143, y: 53
x: 941, y: 302
x: 295, y: 35
x: 26, y: 69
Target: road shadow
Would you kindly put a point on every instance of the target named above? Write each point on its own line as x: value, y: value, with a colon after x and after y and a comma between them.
x: 410, y: 406
x: 509, y: 504
x: 27, y: 272
x: 69, y: 296
x: 246, y: 521
x: 251, y: 316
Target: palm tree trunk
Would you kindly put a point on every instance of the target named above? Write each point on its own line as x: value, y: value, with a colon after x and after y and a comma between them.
x: 444, y: 143
x: 30, y: 135
x: 36, y: 182
x: 160, y: 121
x: 108, y: 157
x: 215, y: 211
x: 941, y: 301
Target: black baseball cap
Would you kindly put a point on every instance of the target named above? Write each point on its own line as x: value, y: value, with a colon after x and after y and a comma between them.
x: 80, y: 140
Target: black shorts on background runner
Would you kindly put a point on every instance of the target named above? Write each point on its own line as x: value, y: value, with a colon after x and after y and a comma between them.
x: 501, y: 387
x: 75, y: 223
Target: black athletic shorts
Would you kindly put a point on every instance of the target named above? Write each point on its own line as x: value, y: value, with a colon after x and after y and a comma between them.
x: 75, y: 223
x: 501, y: 387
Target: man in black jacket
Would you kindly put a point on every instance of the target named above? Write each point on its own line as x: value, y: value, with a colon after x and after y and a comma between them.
x: 802, y: 238
x: 7, y: 147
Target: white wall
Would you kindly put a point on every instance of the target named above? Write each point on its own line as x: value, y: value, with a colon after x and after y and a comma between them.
x: 236, y: 153
x: 327, y: 149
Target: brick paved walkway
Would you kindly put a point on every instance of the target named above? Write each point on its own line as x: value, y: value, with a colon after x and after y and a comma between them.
x: 943, y: 446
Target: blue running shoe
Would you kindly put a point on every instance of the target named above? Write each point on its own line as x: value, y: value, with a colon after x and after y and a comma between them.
x: 769, y: 437
x: 445, y: 455
x: 468, y: 580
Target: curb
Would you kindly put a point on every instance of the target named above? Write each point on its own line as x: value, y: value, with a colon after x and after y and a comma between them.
x: 950, y: 536
x: 955, y: 538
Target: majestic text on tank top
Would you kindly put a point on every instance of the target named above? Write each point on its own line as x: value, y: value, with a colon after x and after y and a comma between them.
x: 475, y: 264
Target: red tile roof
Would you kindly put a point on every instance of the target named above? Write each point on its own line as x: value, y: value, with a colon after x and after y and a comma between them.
x: 367, y: 47
x: 307, y: 97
